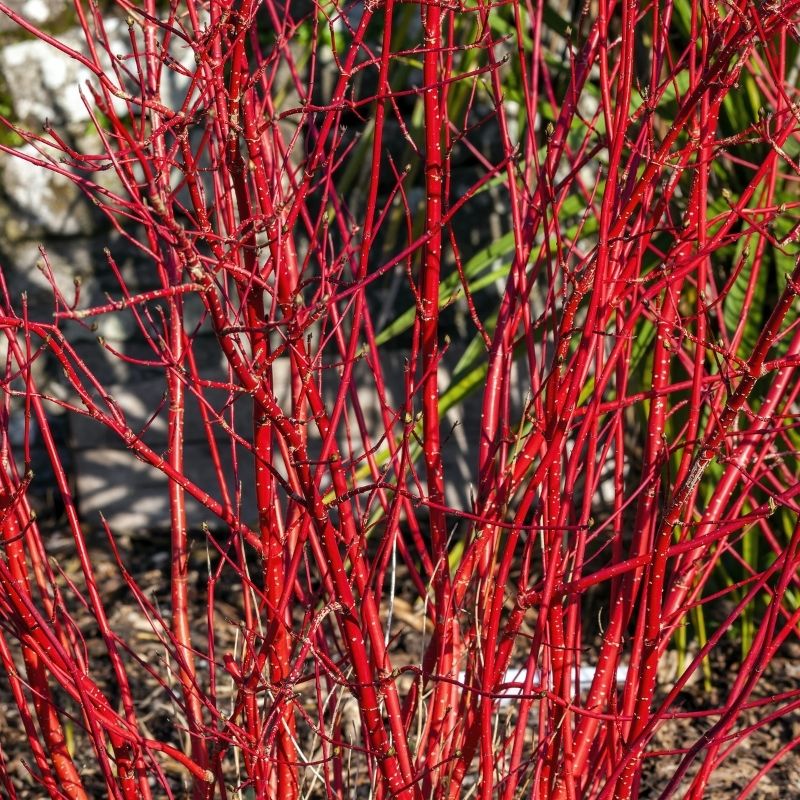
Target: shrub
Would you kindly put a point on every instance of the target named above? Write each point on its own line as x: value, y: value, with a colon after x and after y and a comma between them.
x: 587, y: 226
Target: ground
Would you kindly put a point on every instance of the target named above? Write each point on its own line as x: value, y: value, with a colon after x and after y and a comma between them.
x: 147, y: 558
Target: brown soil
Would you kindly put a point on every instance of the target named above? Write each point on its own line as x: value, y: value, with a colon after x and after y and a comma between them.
x: 160, y: 715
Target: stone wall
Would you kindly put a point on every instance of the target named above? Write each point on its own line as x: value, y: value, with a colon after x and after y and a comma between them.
x: 45, y: 218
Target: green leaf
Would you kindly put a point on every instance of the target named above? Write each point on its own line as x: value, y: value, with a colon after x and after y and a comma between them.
x: 451, y: 289
x: 737, y: 307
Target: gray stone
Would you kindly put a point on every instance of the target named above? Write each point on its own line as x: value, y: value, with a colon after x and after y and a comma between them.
x: 82, y: 258
x: 39, y: 12
x: 44, y: 83
x: 144, y: 404
x: 40, y: 202
x: 134, y: 496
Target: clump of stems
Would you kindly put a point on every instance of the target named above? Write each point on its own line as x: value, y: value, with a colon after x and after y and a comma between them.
x: 629, y: 326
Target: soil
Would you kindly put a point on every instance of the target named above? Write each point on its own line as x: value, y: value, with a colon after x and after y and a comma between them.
x: 159, y: 714
x: 747, y: 753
